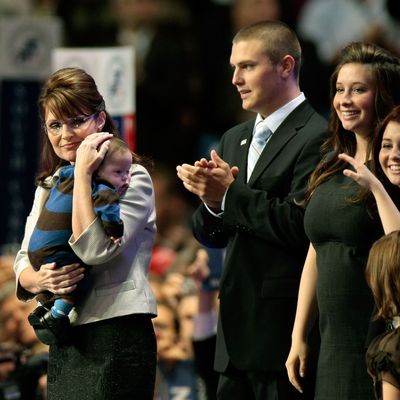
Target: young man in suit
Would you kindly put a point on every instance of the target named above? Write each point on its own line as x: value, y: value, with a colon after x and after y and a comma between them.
x: 255, y: 213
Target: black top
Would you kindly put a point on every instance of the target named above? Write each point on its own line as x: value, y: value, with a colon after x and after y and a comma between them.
x: 342, y: 233
x: 383, y: 360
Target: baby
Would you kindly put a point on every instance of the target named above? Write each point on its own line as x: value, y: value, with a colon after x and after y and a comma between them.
x: 49, y: 240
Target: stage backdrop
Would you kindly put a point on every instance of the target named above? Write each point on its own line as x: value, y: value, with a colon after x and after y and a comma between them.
x: 26, y: 45
x: 113, y: 70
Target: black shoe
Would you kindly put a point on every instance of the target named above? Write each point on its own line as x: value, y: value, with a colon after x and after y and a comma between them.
x: 48, y: 329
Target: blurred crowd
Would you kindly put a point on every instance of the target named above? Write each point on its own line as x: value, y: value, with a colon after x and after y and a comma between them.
x: 23, y: 358
x: 185, y: 101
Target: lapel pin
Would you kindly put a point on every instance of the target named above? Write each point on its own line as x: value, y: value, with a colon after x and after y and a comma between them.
x: 244, y: 141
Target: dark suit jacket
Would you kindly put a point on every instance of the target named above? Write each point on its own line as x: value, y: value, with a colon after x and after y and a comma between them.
x: 262, y: 228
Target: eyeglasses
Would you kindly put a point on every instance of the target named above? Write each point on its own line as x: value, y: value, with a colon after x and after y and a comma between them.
x: 75, y: 123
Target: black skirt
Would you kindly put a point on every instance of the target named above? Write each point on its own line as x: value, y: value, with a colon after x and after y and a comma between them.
x: 110, y: 359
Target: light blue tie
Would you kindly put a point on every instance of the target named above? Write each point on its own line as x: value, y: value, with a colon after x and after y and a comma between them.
x: 261, y: 135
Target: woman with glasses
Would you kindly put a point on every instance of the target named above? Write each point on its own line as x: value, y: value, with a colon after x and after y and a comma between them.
x: 111, y: 349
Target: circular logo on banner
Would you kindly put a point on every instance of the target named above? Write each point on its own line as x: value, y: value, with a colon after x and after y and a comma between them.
x: 30, y: 48
x: 75, y: 61
x: 116, y: 81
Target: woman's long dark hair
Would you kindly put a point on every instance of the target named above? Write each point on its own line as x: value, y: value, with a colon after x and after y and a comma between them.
x: 385, y: 68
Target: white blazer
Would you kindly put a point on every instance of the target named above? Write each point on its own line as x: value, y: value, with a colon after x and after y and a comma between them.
x: 120, y: 273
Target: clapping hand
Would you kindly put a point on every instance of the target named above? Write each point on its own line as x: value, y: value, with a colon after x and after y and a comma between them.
x: 208, y: 179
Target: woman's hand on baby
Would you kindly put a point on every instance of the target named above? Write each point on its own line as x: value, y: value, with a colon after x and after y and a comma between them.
x: 92, y: 150
x: 61, y: 280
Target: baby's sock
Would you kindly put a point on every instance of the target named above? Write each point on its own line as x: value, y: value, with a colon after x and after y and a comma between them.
x: 61, y: 309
